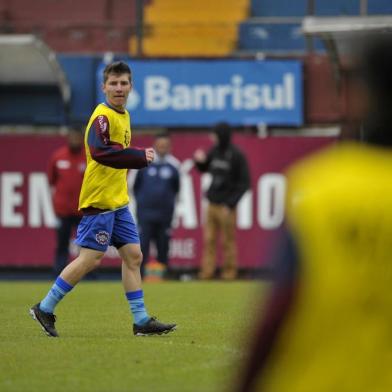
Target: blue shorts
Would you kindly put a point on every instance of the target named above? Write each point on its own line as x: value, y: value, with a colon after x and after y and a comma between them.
x: 115, y: 228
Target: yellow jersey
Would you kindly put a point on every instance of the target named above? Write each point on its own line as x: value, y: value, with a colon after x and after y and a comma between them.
x: 107, y: 141
x: 337, y: 334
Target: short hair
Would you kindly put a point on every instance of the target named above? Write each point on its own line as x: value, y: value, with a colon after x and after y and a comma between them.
x: 162, y: 135
x: 117, y: 68
x: 74, y: 129
x: 222, y: 127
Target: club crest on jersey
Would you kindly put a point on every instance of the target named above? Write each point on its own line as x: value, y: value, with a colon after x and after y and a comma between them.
x: 126, y: 138
x: 102, y: 237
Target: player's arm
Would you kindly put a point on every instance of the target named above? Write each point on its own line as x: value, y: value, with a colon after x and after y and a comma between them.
x: 278, y: 306
x: 202, y: 160
x: 113, y: 154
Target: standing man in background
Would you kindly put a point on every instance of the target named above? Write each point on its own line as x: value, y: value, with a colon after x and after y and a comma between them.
x: 104, y: 202
x: 65, y: 175
x: 230, y: 180
x: 156, y: 188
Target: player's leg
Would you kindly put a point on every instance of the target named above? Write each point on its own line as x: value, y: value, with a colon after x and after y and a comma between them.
x: 162, y: 244
x: 132, y: 282
x: 126, y: 239
x: 143, y: 323
x: 229, y: 268
x: 210, y: 242
x: 93, y: 236
x: 131, y: 256
x: 87, y: 260
x: 163, y: 241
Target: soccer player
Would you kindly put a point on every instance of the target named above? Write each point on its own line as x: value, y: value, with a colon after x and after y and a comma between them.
x: 104, y: 203
x: 328, y: 321
x: 65, y: 175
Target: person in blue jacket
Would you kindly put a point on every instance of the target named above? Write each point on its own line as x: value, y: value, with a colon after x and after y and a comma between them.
x: 155, y: 189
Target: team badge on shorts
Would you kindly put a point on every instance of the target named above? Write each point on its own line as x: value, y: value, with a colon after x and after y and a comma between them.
x: 102, y: 237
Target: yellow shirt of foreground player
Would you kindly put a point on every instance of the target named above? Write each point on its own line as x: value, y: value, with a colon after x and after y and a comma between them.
x: 337, y: 336
x: 105, y: 187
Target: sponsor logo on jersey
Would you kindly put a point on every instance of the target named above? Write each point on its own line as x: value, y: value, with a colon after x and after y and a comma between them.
x: 102, y: 237
x: 103, y: 128
x: 102, y: 123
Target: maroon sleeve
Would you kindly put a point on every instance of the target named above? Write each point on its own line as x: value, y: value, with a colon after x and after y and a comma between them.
x: 279, y: 304
x: 264, y: 340
x: 109, y: 153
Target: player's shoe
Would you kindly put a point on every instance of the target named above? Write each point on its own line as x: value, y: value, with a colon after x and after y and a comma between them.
x: 46, y: 320
x: 153, y: 327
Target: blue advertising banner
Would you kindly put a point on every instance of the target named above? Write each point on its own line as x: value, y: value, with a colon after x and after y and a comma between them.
x: 204, y: 92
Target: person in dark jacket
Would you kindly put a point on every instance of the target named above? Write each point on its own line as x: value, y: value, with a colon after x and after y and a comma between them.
x: 230, y: 180
x: 155, y: 189
x: 65, y: 174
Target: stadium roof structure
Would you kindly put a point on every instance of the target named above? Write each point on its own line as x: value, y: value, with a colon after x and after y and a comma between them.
x: 345, y: 36
x: 26, y: 60
x: 345, y: 39
x: 346, y: 24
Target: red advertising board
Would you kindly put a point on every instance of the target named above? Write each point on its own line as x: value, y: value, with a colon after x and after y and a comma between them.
x: 27, y: 219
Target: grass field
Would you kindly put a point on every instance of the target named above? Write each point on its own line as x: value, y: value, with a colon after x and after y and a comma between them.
x: 98, y: 352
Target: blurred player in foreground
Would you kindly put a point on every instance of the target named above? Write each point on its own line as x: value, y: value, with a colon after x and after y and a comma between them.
x: 65, y: 174
x: 328, y: 321
x: 104, y: 203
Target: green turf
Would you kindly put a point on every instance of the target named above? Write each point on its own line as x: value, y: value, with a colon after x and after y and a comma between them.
x: 98, y: 352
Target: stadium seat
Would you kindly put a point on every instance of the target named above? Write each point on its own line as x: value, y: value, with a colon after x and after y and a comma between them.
x: 379, y: 7
x: 193, y: 40
x: 336, y: 7
x: 49, y: 11
x: 271, y: 37
x: 177, y: 11
x: 267, y: 8
x: 283, y: 8
x: 192, y: 28
x: 123, y: 11
x: 68, y: 26
x: 87, y: 39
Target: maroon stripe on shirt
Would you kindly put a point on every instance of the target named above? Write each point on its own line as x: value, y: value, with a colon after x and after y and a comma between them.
x: 110, y: 153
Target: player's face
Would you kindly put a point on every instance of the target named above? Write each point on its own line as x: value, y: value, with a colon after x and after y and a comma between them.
x: 117, y: 88
x: 75, y: 140
x: 162, y: 146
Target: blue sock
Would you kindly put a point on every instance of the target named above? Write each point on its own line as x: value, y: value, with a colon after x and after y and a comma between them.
x: 136, y: 304
x: 55, y: 295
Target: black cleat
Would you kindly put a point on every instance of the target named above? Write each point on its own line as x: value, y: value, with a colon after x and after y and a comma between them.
x: 153, y: 327
x: 46, y: 320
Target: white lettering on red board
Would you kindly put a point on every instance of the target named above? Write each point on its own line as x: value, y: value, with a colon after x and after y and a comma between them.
x: 39, y: 205
x: 41, y: 211
x: 11, y: 199
x: 263, y: 205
